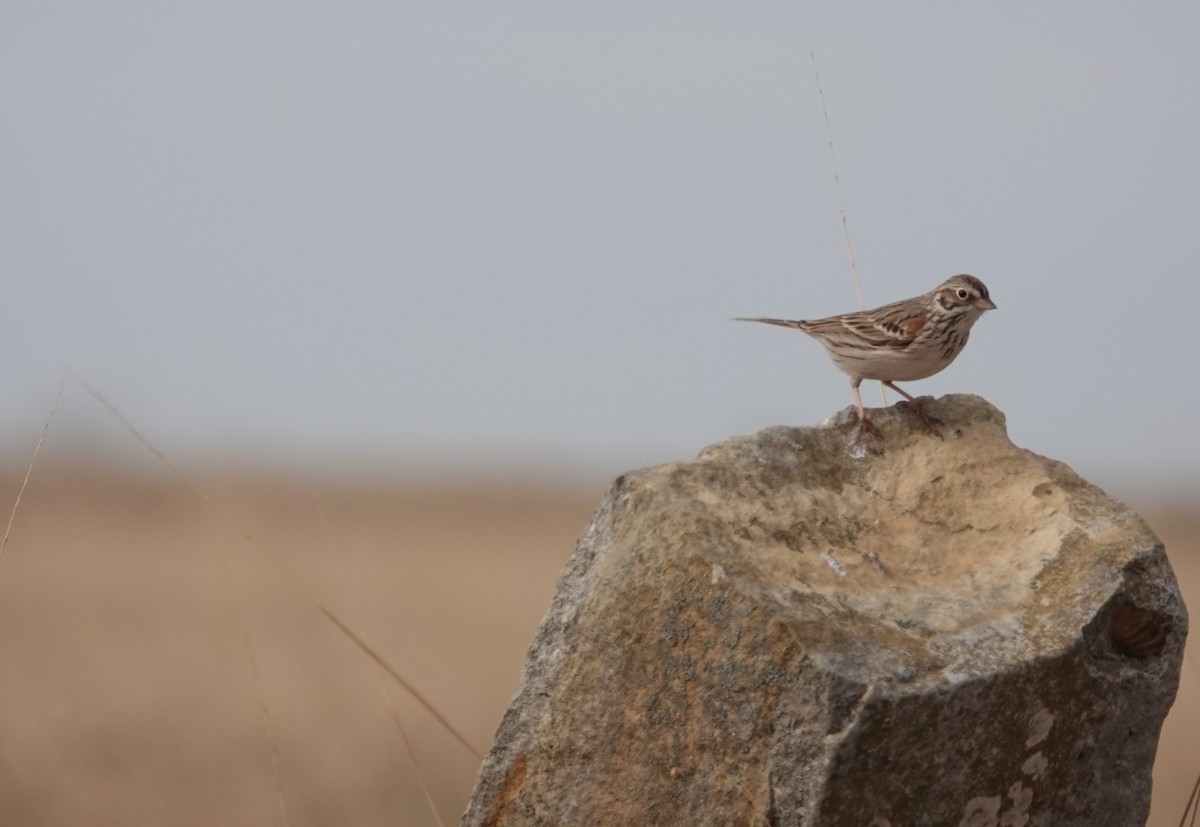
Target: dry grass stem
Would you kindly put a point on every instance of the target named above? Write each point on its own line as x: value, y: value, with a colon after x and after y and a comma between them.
x: 412, y: 755
x: 259, y: 686
x: 837, y: 188
x: 286, y: 573
x: 1193, y: 806
x: 29, y: 471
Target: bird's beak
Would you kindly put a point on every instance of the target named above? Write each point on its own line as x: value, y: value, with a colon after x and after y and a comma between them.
x: 985, y: 304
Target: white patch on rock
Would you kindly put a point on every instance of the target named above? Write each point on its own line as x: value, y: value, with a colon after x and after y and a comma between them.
x: 1035, y: 765
x: 981, y: 812
x: 872, y: 558
x: 1018, y: 816
x: 833, y: 563
x: 1039, y: 727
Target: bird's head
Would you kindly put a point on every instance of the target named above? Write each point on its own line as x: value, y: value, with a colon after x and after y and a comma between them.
x: 963, y: 293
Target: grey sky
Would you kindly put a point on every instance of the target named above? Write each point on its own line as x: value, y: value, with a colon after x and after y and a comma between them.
x: 517, y: 231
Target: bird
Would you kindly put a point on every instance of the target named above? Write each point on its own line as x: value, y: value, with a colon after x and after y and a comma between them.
x: 899, y: 342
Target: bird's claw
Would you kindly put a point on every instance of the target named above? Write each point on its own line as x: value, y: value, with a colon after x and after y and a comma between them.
x: 928, y: 420
x: 865, y: 433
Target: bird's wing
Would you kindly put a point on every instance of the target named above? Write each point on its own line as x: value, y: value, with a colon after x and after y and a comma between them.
x: 891, y: 326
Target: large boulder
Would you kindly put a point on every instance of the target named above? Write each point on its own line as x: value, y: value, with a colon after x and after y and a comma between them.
x: 792, y: 630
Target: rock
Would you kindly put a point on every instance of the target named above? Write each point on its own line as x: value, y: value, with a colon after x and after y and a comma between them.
x: 791, y: 631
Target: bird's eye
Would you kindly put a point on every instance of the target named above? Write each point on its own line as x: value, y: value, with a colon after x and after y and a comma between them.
x: 961, y: 293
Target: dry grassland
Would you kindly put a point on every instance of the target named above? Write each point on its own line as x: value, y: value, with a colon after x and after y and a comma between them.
x: 157, y: 668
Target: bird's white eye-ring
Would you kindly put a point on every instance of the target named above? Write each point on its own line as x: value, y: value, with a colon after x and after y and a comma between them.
x: 961, y: 293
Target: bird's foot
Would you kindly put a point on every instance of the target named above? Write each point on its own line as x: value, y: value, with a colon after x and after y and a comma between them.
x: 928, y: 421
x: 867, y: 431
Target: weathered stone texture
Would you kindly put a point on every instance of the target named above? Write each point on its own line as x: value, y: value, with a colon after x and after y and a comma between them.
x: 792, y: 631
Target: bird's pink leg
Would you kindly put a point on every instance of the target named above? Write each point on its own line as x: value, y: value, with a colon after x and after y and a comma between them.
x: 864, y: 424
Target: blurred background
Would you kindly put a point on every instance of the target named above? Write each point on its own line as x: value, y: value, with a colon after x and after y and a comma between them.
x: 403, y: 286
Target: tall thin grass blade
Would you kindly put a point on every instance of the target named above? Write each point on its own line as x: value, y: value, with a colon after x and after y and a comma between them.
x: 285, y: 572
x: 837, y: 188
x: 29, y: 471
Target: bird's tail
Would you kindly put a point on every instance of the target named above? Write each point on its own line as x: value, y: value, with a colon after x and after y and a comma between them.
x: 795, y: 325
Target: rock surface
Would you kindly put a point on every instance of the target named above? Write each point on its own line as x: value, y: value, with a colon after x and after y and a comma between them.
x: 792, y: 631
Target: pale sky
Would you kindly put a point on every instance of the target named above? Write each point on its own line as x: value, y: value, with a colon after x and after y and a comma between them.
x: 454, y: 234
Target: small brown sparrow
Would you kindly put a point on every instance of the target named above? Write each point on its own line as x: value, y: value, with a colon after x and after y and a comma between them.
x: 902, y: 341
